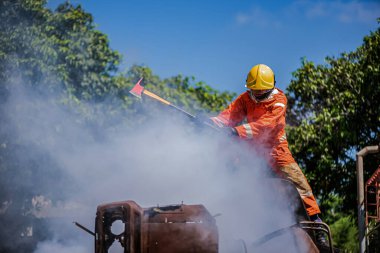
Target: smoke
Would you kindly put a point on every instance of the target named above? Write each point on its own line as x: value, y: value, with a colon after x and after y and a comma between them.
x: 165, y: 161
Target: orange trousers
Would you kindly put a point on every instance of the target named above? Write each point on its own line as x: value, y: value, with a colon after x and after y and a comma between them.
x: 293, y: 173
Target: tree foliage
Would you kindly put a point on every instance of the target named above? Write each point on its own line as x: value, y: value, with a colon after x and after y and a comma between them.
x: 55, y: 49
x: 333, y: 113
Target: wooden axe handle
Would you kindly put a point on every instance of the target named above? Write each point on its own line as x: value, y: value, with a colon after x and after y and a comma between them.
x: 154, y: 96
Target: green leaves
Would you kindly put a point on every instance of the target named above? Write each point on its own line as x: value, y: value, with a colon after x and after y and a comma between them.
x: 345, y: 234
x: 56, y: 49
x: 334, y: 112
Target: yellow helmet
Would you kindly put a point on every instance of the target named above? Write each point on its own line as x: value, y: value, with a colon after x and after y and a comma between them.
x: 260, y: 77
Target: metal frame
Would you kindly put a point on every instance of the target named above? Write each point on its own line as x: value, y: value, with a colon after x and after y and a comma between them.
x: 372, y: 204
x: 321, y: 226
x: 373, y: 181
x: 306, y: 225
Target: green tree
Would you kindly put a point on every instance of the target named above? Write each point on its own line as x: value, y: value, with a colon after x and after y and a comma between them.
x: 55, y: 50
x: 333, y: 113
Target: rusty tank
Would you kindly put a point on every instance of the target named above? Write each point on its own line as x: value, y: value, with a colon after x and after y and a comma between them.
x: 173, y: 228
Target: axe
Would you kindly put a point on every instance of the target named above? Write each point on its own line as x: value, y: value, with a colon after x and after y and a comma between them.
x: 138, y: 90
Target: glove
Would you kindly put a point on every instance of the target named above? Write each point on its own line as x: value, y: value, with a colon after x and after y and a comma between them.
x: 231, y: 131
x: 217, y: 125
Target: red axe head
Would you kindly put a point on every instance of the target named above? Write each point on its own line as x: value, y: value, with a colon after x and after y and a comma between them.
x: 137, y: 89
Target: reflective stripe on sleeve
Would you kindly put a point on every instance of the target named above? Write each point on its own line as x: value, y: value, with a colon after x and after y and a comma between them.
x: 283, y: 138
x: 248, y: 131
x: 279, y: 104
x: 218, y: 122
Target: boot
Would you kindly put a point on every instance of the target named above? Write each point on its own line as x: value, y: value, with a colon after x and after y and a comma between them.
x: 321, y: 239
x: 320, y: 236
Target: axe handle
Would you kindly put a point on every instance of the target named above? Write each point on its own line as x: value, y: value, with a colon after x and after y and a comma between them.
x: 137, y: 90
x: 183, y: 111
x: 152, y: 95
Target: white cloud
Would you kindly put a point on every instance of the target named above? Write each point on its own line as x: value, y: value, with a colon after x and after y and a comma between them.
x: 345, y: 12
x: 258, y: 17
x: 243, y: 19
x: 314, y: 10
x: 341, y: 11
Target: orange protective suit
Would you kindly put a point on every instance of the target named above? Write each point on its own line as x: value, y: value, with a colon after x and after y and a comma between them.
x: 266, y: 127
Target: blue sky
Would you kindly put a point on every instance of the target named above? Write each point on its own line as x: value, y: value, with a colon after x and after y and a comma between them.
x: 219, y: 41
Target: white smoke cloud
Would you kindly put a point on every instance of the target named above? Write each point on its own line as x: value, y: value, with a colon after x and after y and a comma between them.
x: 57, y: 247
x: 163, y: 162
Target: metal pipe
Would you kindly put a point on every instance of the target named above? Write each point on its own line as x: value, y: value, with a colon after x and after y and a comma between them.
x: 84, y: 228
x: 360, y: 192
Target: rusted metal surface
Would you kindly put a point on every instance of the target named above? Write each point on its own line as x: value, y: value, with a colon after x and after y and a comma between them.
x: 194, y: 229
x: 372, y: 208
x: 176, y: 228
x: 372, y: 197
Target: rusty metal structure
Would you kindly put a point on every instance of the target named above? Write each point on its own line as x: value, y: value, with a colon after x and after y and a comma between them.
x: 174, y: 228
x: 372, y: 212
x: 372, y: 200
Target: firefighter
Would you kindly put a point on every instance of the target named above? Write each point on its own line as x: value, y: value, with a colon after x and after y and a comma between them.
x: 263, y: 108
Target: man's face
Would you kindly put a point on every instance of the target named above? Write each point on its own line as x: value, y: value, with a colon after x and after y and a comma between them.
x: 258, y: 93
